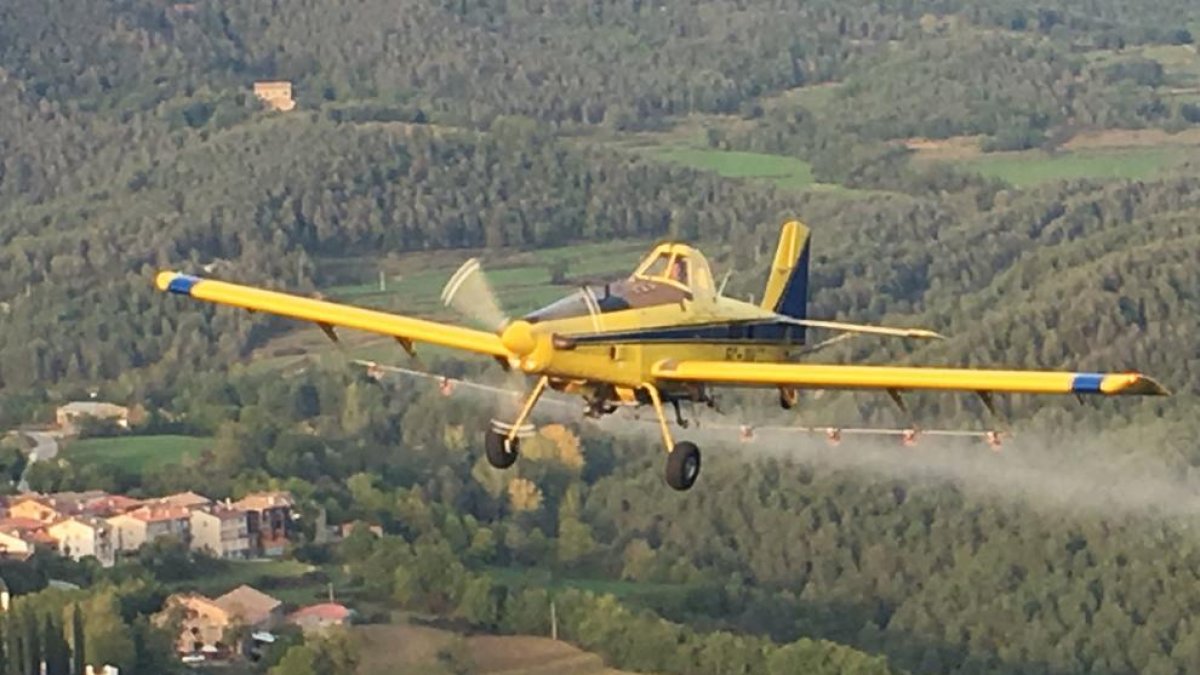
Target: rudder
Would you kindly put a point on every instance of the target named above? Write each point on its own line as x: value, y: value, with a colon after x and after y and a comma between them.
x: 787, y: 286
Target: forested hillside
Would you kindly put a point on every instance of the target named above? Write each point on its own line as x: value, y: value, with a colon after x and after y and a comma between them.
x: 130, y: 141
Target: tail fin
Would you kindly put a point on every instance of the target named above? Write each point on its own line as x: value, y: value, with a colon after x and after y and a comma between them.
x: 787, y: 287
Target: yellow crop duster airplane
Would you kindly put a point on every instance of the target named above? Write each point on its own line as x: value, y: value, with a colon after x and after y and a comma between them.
x: 665, y: 335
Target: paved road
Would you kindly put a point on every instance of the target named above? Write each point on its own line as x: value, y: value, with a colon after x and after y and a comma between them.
x: 46, y: 447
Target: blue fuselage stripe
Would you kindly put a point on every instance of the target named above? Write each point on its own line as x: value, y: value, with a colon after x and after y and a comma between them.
x: 741, y: 332
x: 1087, y: 383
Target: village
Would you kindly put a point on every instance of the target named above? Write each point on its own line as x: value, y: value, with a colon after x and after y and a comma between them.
x: 104, y: 529
x: 107, y: 527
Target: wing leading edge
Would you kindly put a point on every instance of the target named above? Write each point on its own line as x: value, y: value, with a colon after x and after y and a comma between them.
x: 332, y: 314
x: 827, y: 376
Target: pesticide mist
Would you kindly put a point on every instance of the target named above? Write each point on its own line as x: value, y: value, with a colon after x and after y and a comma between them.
x: 1037, y: 472
x: 1087, y: 473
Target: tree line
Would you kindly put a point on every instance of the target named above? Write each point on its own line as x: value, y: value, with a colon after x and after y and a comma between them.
x: 934, y: 574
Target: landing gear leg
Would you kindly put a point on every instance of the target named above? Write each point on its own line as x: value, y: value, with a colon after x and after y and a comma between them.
x: 788, y: 398
x: 683, y: 424
x: 992, y: 438
x: 683, y: 459
x: 502, y: 446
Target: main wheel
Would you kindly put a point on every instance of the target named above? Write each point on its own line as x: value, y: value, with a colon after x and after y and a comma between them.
x: 683, y: 465
x: 501, y: 452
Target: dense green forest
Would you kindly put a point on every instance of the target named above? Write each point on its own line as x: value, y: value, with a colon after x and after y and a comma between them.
x: 130, y: 142
x: 1020, y: 91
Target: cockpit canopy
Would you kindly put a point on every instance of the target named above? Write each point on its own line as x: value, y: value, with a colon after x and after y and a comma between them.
x: 679, y: 265
x: 670, y: 273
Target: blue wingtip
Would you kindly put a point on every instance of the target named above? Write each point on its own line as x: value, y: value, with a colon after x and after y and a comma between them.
x: 1087, y: 383
x: 180, y: 284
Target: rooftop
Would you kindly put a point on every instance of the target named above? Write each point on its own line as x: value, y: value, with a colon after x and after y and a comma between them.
x: 20, y: 524
x: 252, y: 605
x: 187, y: 499
x: 94, y: 409
x: 325, y: 611
x: 224, y: 512
x: 258, y: 501
x: 153, y: 514
x: 89, y: 521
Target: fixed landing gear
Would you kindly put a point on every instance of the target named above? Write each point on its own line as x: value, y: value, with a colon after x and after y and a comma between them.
x: 683, y: 465
x: 501, y: 443
x: 683, y: 458
x: 501, y: 452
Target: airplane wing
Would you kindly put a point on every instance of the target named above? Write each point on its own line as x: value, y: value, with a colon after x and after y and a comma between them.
x: 902, y: 378
x: 329, y: 314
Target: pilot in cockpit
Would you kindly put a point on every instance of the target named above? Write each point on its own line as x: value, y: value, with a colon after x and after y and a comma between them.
x: 679, y: 270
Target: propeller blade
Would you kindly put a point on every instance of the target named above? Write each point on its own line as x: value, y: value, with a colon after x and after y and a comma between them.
x: 469, y: 293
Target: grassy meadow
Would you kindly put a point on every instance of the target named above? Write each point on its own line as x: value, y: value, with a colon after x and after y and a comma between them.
x: 136, y: 453
x: 1031, y: 167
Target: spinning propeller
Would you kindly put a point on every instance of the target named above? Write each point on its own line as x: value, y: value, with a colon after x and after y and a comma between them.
x: 470, y: 294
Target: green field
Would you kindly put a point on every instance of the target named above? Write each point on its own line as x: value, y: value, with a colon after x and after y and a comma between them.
x: 136, y: 453
x: 255, y: 573
x: 785, y: 172
x: 1035, y: 166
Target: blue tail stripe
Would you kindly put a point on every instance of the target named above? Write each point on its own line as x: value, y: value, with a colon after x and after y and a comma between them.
x: 794, y: 300
x: 1087, y: 383
x: 182, y: 284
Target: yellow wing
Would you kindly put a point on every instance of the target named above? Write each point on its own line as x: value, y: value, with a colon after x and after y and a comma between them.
x: 826, y: 376
x: 329, y: 314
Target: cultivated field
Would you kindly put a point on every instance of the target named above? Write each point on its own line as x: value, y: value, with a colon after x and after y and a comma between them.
x: 1036, y: 166
x: 410, y: 649
x: 1130, y: 154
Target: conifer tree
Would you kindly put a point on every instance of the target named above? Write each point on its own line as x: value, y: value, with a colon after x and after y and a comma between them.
x: 54, y: 647
x: 33, y: 644
x: 77, y: 644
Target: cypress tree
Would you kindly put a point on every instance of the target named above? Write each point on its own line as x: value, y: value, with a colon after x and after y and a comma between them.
x: 77, y: 647
x: 33, y: 644
x: 13, y: 663
x: 16, y: 657
x: 12, y: 647
x: 54, y: 648
x: 4, y: 646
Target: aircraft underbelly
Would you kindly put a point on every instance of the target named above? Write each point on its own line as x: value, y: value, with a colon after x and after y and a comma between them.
x: 630, y: 364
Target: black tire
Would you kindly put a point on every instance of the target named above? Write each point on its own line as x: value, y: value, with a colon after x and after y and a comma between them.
x: 501, y: 453
x: 683, y: 465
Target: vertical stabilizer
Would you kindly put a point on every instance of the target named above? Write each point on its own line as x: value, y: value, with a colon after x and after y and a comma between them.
x: 787, y: 287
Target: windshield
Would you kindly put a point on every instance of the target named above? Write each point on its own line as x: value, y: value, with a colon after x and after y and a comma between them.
x: 599, y: 298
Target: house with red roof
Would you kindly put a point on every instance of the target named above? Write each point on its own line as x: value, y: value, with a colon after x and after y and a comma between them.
x: 320, y: 617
